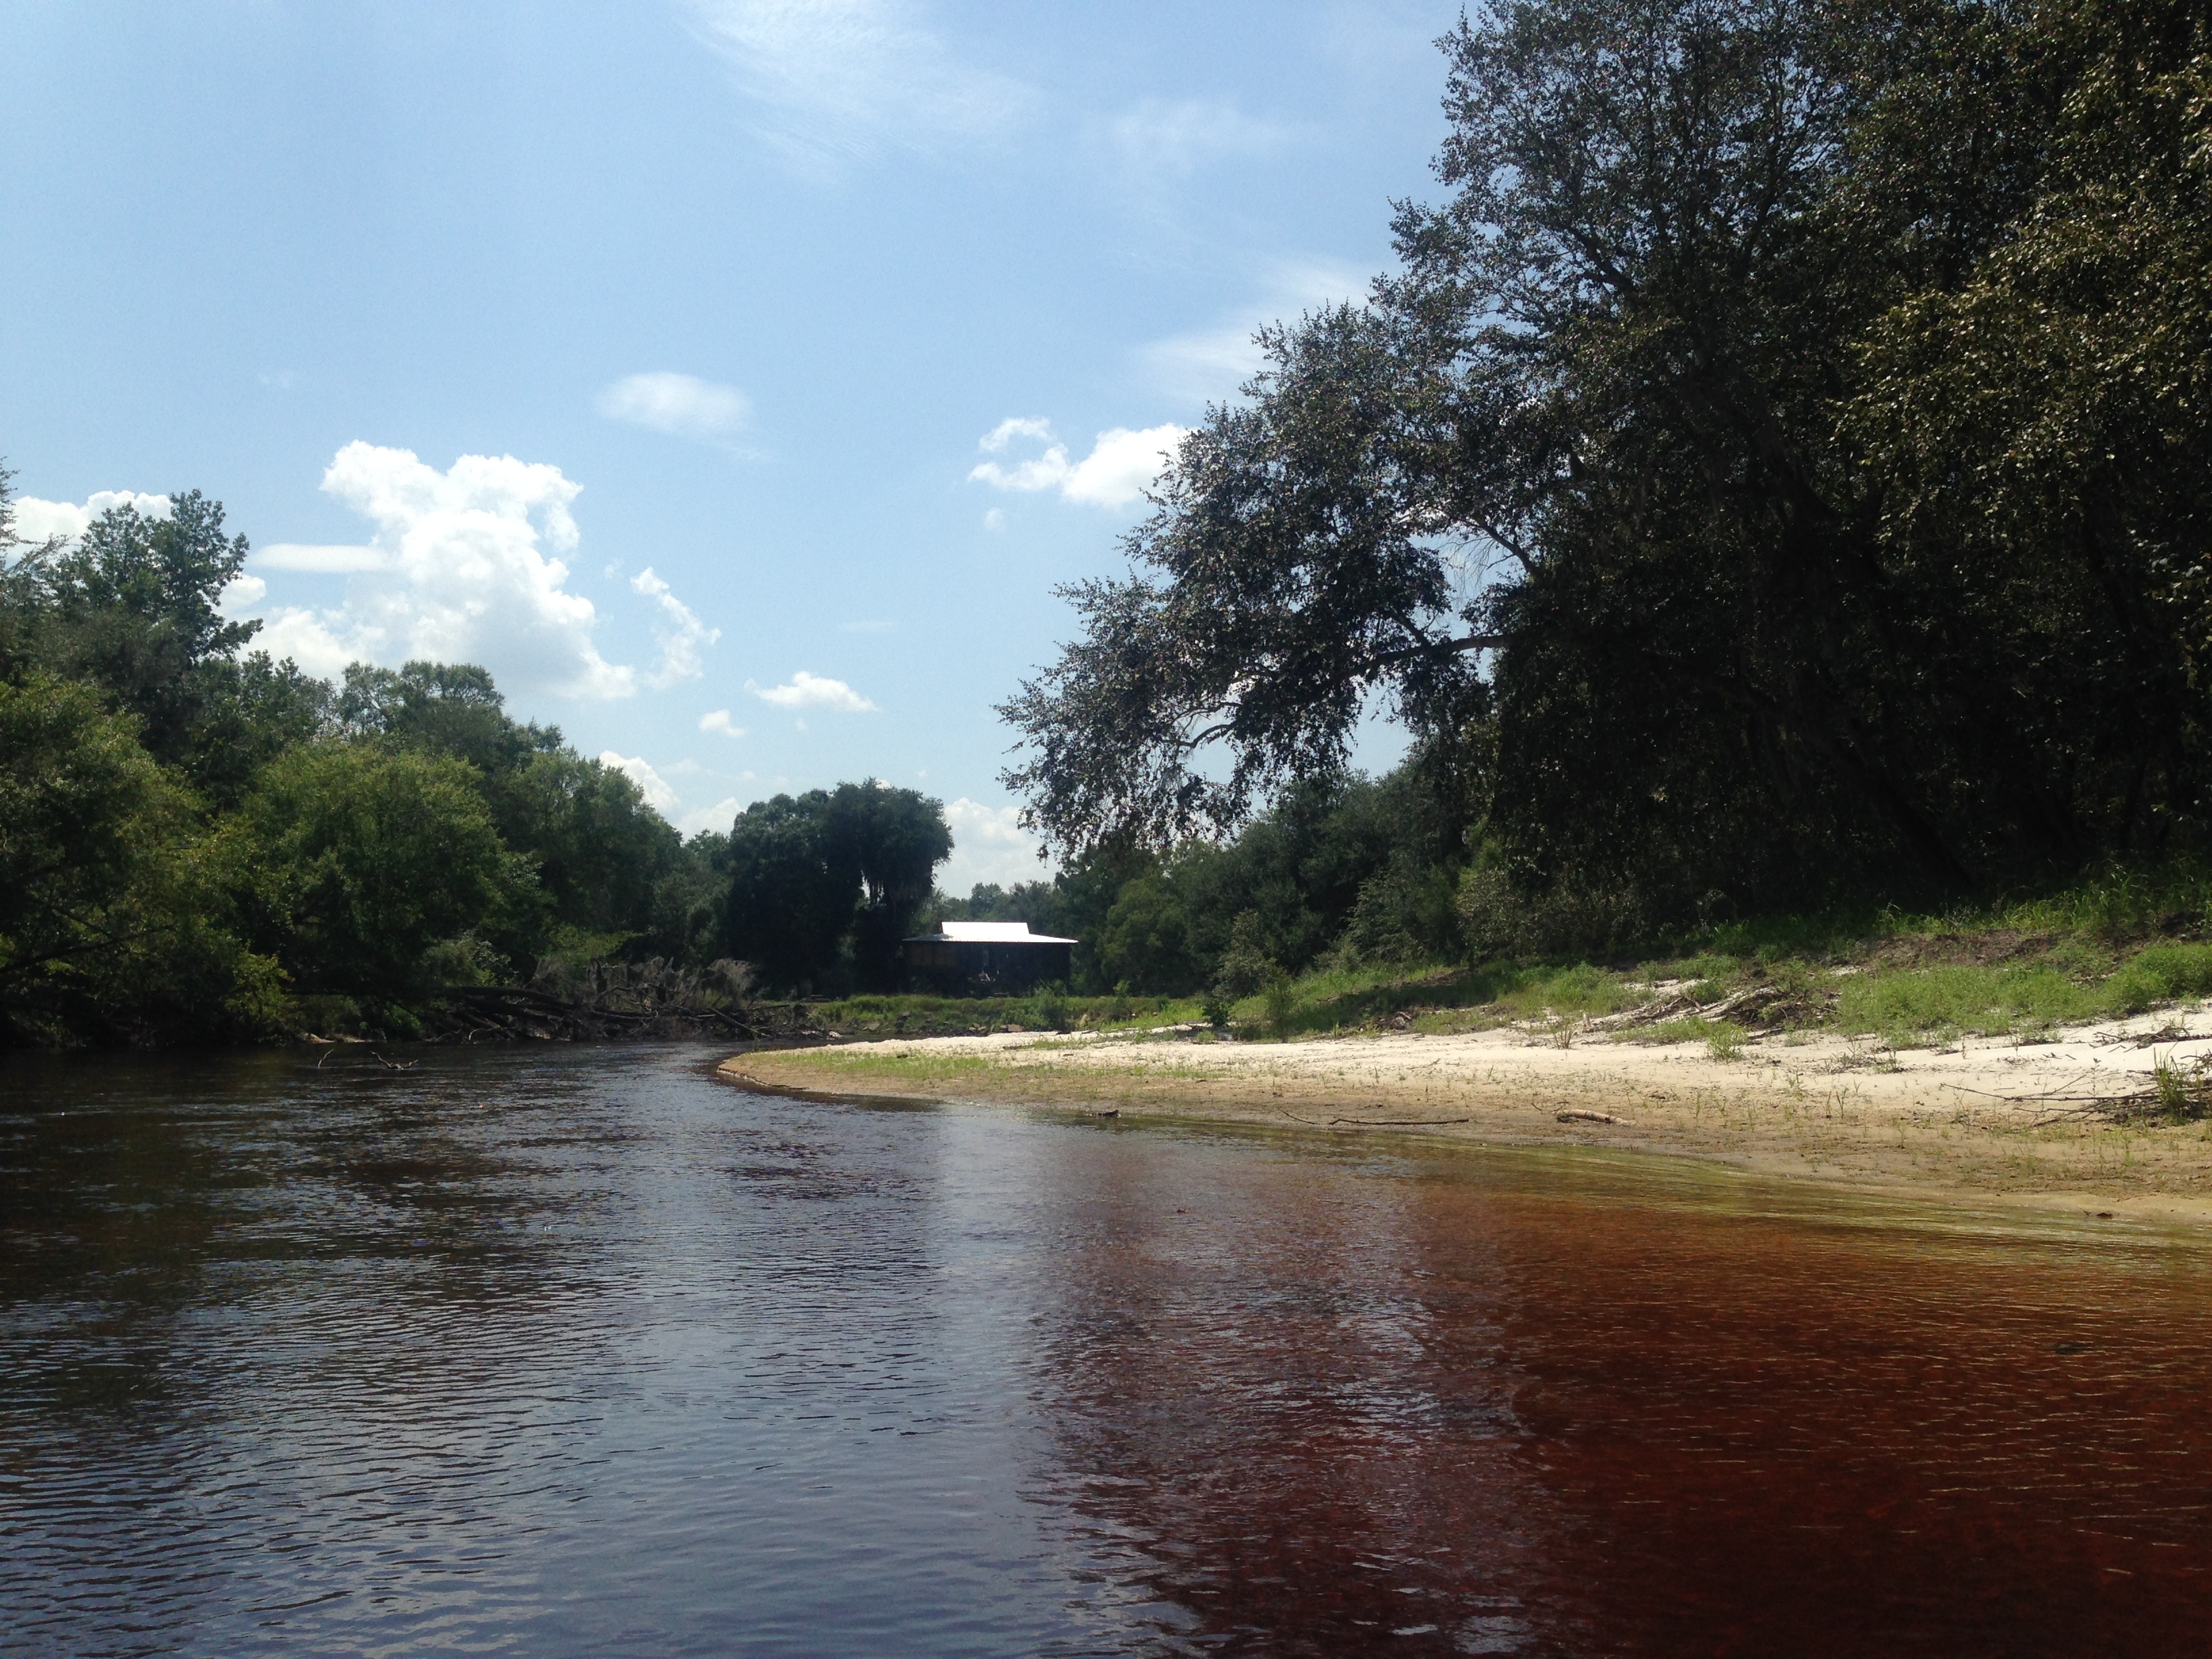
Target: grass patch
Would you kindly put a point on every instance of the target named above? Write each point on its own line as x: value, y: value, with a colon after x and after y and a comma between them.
x: 2115, y: 944
x: 1724, y: 1041
x: 1911, y: 1006
x: 920, y: 1069
x: 1047, y: 1010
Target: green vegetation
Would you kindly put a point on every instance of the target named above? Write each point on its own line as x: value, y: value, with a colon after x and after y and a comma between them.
x: 824, y: 886
x: 1770, y: 491
x: 200, y: 845
x: 2124, y: 943
x: 1772, y: 480
x: 1049, y: 1009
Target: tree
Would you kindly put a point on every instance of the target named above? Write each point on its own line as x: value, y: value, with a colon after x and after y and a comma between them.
x: 1146, y: 942
x: 114, y: 916
x: 135, y: 606
x: 368, y: 857
x: 897, y: 838
x: 792, y: 889
x: 825, y: 879
x: 1694, y: 479
x: 601, y: 853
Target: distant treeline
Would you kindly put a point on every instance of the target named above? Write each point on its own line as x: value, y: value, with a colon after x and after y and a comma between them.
x: 198, y: 844
x: 1777, y: 475
x: 1342, y: 871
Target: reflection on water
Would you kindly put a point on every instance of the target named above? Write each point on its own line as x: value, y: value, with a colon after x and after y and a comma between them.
x: 585, y: 1352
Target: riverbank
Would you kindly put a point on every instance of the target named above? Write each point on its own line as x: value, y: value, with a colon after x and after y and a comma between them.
x: 2067, y: 1120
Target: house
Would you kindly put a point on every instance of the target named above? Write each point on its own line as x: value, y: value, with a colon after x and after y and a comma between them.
x: 995, y: 958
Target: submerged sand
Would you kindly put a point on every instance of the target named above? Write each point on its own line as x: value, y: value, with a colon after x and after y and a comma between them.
x: 1988, y: 1117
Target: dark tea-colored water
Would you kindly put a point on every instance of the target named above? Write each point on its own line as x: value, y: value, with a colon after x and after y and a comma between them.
x: 584, y: 1351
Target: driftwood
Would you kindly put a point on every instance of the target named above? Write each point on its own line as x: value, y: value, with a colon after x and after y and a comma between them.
x: 2178, y: 1093
x: 1677, y: 1006
x: 376, y: 1063
x: 604, y: 1000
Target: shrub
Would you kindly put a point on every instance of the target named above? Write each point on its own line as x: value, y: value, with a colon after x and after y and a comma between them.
x: 1052, y: 1008
x: 2165, y: 973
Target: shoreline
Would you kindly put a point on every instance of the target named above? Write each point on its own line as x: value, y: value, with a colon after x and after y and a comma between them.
x: 1986, y: 1121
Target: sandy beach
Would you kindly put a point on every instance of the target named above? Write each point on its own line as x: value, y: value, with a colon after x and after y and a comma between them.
x: 1985, y: 1116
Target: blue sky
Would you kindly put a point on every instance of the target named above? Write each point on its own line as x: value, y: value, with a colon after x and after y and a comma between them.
x: 729, y: 376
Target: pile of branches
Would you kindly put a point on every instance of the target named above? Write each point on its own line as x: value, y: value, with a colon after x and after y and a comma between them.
x: 600, y: 1001
x: 2178, y: 1091
x: 1756, y: 1005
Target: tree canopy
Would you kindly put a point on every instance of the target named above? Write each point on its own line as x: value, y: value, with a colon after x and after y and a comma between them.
x: 1777, y: 467
x: 831, y: 879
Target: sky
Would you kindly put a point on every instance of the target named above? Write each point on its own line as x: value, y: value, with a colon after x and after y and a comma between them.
x: 734, y: 379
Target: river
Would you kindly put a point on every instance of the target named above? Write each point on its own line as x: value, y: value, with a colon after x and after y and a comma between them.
x: 566, y: 1350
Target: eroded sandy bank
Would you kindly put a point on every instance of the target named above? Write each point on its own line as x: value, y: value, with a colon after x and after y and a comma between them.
x: 1985, y: 1116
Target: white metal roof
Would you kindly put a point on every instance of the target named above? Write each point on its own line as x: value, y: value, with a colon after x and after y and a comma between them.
x: 992, y: 932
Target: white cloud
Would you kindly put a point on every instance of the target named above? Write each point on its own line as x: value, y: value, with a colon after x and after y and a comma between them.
x: 682, y: 405
x: 718, y: 817
x: 457, y: 569
x: 682, y: 637
x: 989, y: 844
x: 1120, y: 468
x: 658, y: 795
x: 1013, y: 427
x: 240, y: 593
x: 720, y: 723
x: 327, y: 560
x: 807, y: 691
x: 38, y: 521
x: 834, y: 81
x: 1211, y: 365
x: 1155, y: 140
x: 322, y: 642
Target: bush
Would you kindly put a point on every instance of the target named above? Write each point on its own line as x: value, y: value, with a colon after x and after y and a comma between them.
x: 1052, y: 1008
x: 369, y: 857
x: 1146, y: 943
x: 2165, y: 973
x: 1990, y: 1001
x: 1281, y: 999
x: 1499, y: 920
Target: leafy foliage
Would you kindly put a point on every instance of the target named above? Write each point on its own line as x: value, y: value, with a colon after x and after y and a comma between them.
x: 824, y: 885
x: 114, y: 901
x: 369, y: 857
x: 192, y: 836
x: 1775, y: 475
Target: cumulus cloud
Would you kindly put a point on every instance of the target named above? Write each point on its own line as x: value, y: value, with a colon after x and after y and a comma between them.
x: 989, y: 844
x: 682, y: 405
x: 720, y: 723
x: 833, y: 81
x: 658, y: 795
x: 1120, y: 468
x: 806, y: 691
x: 718, y: 817
x: 461, y: 566
x: 682, y: 636
x: 321, y: 560
x: 38, y: 521
x: 239, y: 594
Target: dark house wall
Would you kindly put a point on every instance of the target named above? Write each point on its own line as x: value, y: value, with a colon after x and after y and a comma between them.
x: 978, y: 970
